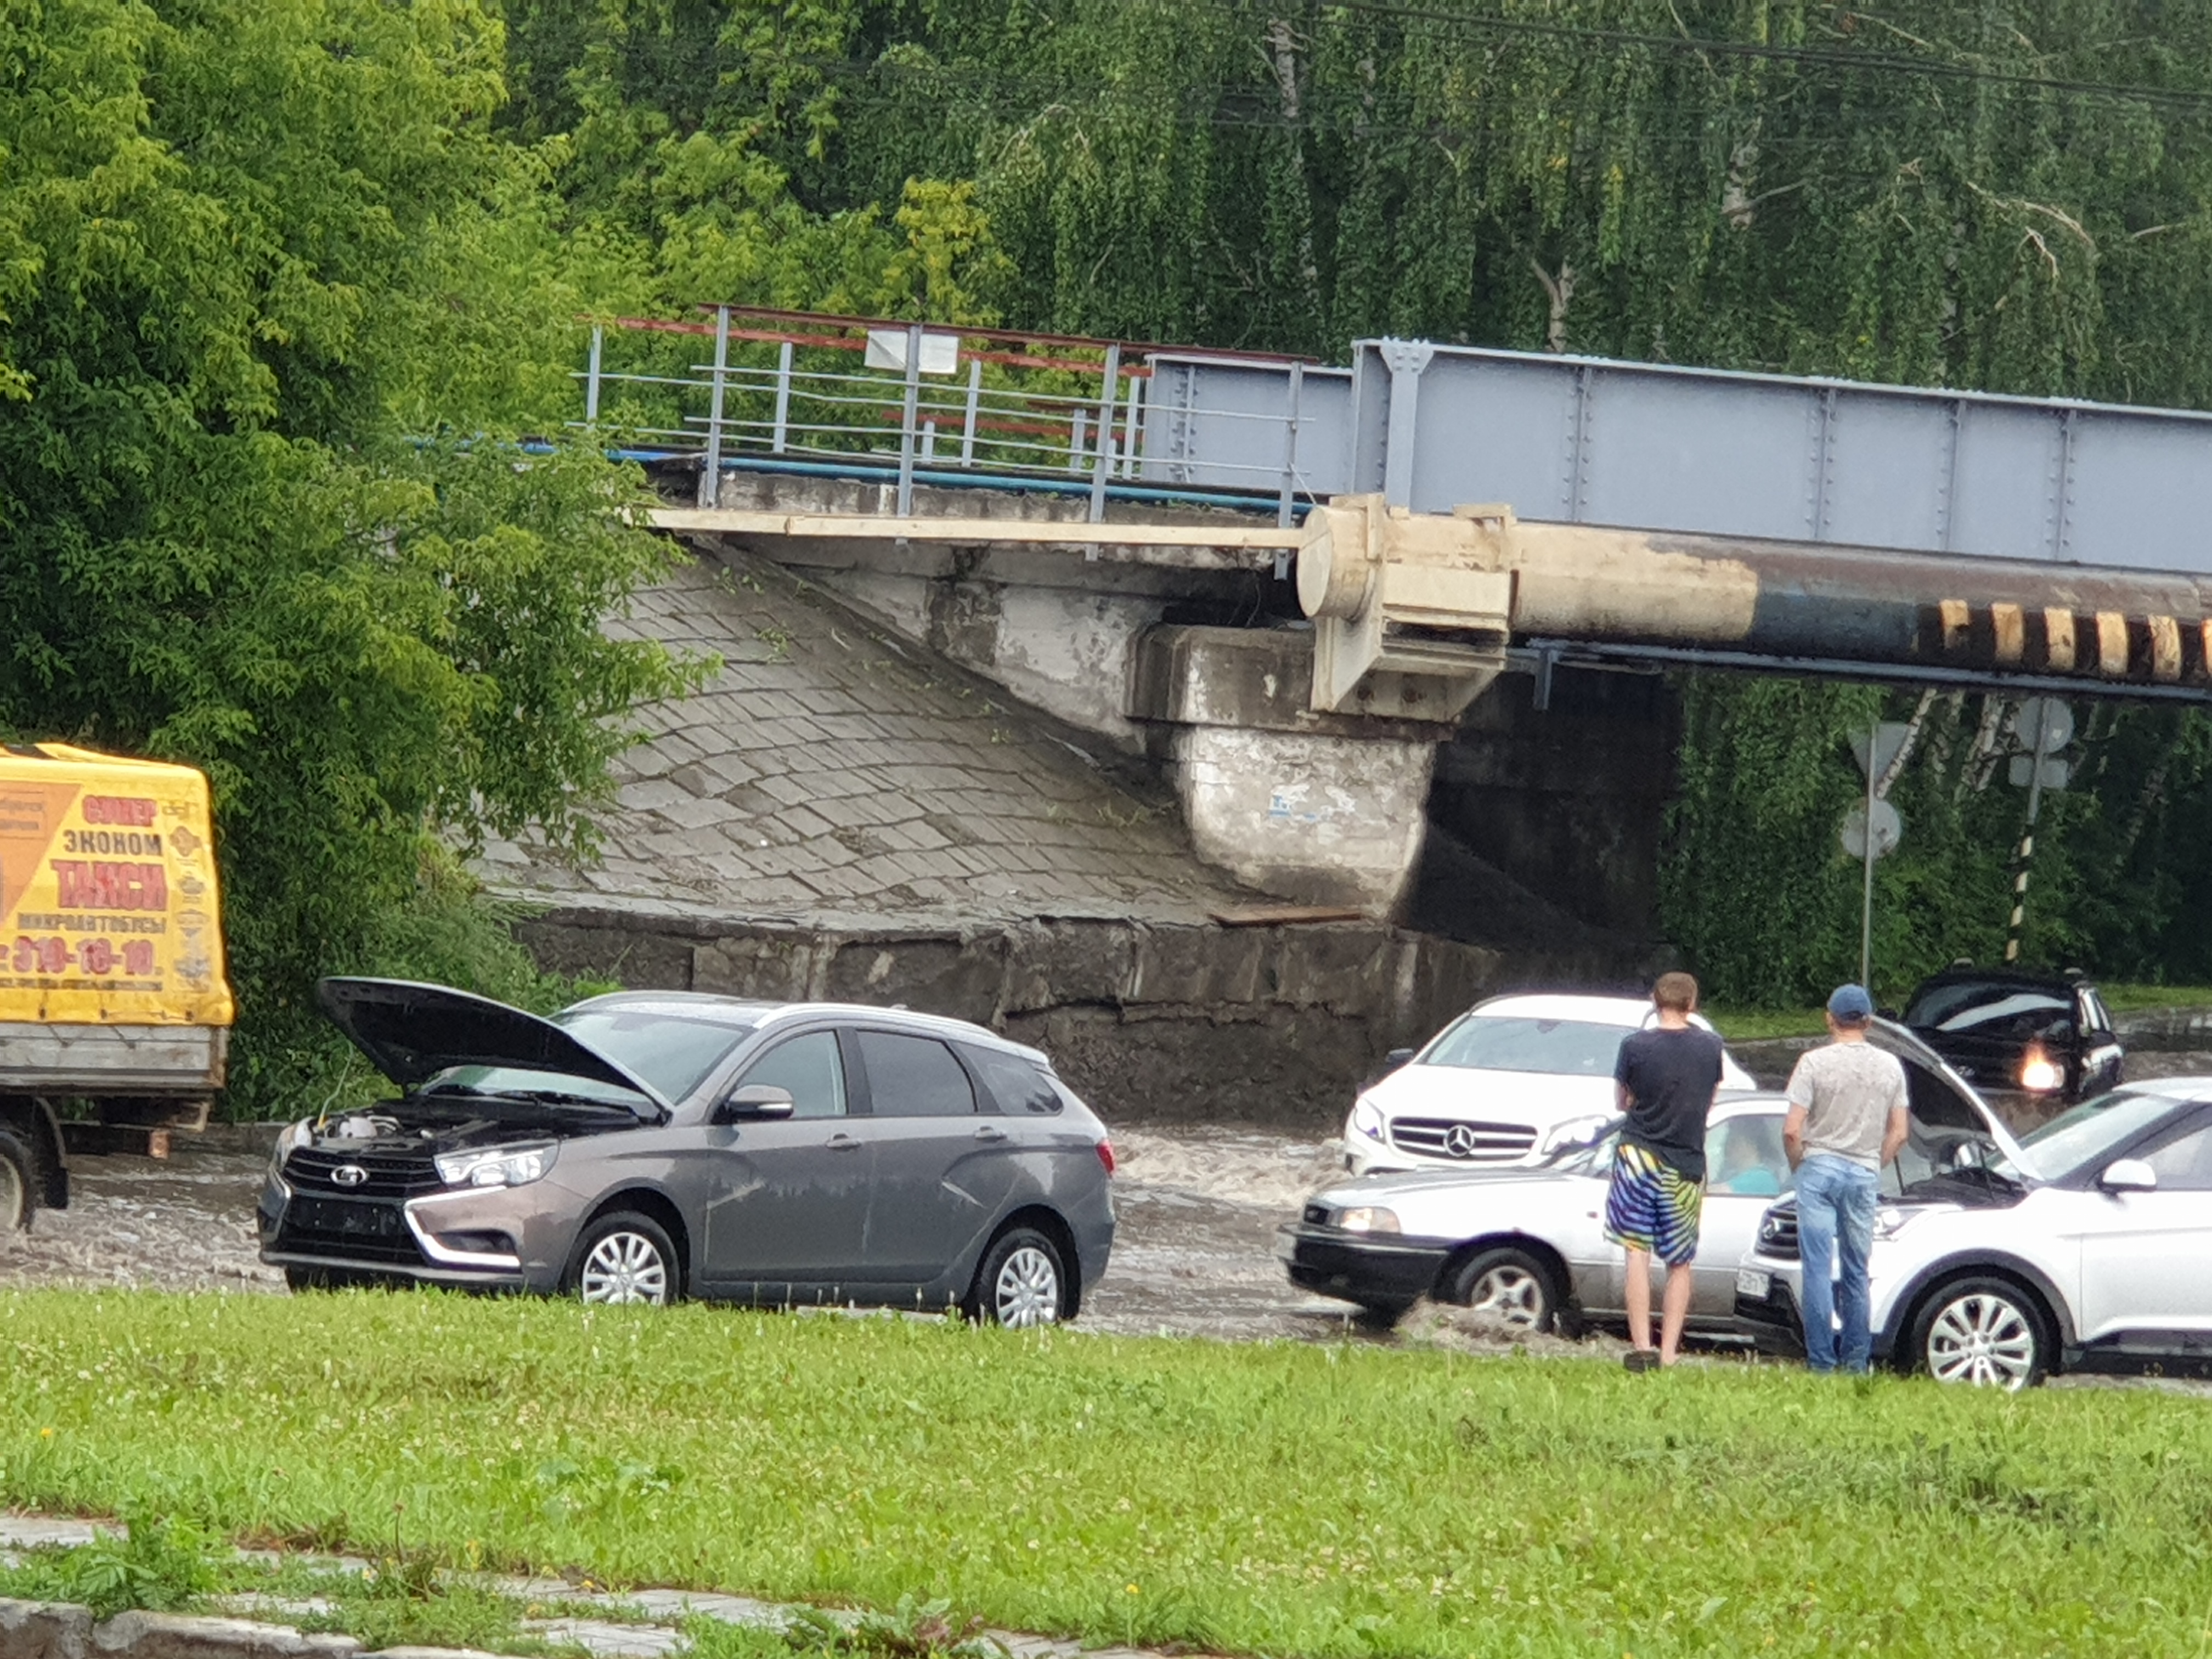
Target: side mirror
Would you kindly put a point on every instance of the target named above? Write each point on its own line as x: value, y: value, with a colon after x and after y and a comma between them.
x: 1397, y: 1057
x: 2129, y: 1175
x: 755, y: 1100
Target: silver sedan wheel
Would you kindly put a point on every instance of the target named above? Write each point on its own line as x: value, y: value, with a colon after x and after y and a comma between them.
x: 1027, y: 1290
x: 1984, y: 1339
x: 624, y: 1267
x: 1508, y: 1293
x: 15, y: 1200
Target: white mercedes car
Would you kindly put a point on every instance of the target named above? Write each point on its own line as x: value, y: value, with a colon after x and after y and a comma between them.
x: 2086, y: 1244
x: 1507, y: 1083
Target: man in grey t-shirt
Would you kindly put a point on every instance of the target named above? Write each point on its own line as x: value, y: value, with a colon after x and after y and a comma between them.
x: 1848, y: 1107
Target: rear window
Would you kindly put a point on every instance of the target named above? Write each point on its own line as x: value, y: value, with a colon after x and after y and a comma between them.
x: 1495, y: 1043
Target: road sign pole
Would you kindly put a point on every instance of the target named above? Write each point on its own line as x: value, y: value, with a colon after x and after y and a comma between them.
x: 2027, y: 836
x: 1865, y: 891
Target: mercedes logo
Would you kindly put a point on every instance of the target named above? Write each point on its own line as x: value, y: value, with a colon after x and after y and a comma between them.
x: 348, y: 1175
x: 1460, y: 1140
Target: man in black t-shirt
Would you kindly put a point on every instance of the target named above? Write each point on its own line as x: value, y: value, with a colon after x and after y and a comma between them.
x: 1666, y: 1077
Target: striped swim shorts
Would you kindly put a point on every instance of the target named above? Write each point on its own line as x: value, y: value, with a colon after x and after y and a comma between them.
x: 1652, y: 1207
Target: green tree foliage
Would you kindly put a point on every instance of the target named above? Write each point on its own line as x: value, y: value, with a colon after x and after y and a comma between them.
x: 278, y: 307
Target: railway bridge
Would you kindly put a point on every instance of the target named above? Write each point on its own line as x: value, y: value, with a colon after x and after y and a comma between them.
x: 1343, y: 645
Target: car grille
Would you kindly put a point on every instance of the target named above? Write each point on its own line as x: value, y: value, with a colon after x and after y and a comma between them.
x: 1778, y: 1234
x: 1469, y: 1143
x: 385, y: 1175
x: 348, y: 1229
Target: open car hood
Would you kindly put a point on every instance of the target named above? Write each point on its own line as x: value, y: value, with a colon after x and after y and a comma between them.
x: 1941, y: 1099
x: 413, y: 1032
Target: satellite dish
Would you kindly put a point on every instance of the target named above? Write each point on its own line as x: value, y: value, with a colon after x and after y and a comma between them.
x: 1888, y: 831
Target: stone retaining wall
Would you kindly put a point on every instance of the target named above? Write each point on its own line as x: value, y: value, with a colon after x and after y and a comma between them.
x: 1276, y: 1024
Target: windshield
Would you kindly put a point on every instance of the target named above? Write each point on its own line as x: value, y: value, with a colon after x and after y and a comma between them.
x: 1498, y: 1043
x: 670, y: 1053
x: 1985, y: 1010
x: 2087, y: 1135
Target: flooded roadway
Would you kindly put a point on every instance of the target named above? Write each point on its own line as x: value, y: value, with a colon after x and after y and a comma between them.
x: 1193, y: 1255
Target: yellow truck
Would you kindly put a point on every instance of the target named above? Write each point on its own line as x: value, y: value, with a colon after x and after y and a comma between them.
x: 114, y: 1013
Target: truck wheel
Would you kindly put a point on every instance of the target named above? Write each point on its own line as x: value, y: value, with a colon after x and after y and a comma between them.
x: 18, y: 1183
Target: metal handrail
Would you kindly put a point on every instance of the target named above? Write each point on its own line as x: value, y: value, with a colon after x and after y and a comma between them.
x: 1018, y: 413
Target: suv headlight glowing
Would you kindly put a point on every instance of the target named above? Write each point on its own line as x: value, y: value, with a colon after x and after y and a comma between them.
x: 1367, y: 1118
x: 1367, y: 1219
x: 2040, y: 1074
x: 500, y: 1166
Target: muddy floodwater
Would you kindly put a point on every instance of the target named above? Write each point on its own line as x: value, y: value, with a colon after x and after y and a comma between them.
x: 1193, y: 1255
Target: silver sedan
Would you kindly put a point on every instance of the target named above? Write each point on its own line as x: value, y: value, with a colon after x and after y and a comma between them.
x: 1529, y: 1245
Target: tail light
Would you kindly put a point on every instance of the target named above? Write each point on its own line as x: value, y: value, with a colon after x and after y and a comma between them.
x: 1105, y: 1151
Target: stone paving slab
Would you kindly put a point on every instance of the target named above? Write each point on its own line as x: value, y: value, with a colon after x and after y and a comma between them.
x: 833, y: 772
x: 166, y: 1636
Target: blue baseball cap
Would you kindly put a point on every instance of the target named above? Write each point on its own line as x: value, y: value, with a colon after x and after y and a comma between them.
x: 1850, y: 1004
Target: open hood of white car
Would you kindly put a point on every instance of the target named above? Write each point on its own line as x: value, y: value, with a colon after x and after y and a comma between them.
x: 1965, y: 1109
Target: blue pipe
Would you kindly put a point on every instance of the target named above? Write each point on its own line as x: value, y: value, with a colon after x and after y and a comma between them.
x: 1003, y: 481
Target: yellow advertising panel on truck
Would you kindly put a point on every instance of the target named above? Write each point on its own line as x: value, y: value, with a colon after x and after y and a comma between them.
x: 108, y: 910
x: 114, y: 1013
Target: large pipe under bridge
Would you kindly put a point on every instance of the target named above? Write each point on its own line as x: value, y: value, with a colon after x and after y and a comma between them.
x: 1415, y: 613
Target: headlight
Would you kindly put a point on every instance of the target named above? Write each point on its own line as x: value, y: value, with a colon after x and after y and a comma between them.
x: 292, y: 1136
x: 1574, y: 1132
x: 1367, y: 1118
x: 1889, y: 1221
x: 1367, y: 1219
x: 502, y: 1166
x: 2040, y: 1074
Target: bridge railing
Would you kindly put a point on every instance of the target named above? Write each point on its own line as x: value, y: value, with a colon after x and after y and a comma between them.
x: 936, y: 404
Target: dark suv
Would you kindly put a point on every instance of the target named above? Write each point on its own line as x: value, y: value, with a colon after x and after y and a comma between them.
x: 2005, y: 1029
x: 647, y: 1145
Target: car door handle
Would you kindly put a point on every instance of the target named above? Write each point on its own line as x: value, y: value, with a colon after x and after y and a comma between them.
x: 843, y: 1143
x: 990, y: 1132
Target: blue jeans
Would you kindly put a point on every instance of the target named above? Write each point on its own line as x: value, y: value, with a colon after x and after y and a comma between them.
x: 1835, y: 1223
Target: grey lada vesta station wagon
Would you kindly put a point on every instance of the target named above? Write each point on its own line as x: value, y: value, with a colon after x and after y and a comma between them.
x: 645, y: 1145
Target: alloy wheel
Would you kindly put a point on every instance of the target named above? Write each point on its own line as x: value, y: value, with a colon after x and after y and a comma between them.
x: 624, y: 1267
x: 1509, y: 1293
x: 1027, y: 1290
x: 1984, y: 1339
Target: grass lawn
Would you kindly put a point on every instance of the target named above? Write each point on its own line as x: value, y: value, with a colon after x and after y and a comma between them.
x: 1755, y: 1024
x: 1269, y: 1499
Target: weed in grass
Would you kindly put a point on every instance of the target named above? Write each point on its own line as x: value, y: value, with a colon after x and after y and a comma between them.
x: 913, y: 1630
x: 162, y: 1563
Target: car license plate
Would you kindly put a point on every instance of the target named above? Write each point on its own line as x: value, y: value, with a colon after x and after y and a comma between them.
x: 333, y: 1215
x: 1750, y: 1282
x: 1286, y: 1245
